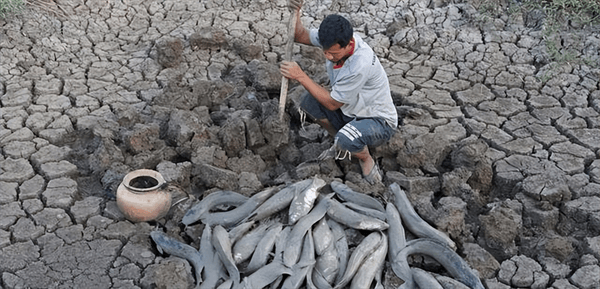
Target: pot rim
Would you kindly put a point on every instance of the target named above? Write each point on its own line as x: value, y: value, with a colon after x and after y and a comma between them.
x: 141, y: 173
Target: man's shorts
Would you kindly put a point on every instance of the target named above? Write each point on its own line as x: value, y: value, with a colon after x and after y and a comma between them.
x: 353, y: 133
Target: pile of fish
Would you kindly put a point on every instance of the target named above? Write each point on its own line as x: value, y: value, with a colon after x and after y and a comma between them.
x: 295, y: 237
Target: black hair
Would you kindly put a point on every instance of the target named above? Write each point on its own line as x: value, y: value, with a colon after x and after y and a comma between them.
x: 335, y: 29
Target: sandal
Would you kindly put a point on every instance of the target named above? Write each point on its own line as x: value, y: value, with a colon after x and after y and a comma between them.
x: 327, y: 154
x: 374, y: 176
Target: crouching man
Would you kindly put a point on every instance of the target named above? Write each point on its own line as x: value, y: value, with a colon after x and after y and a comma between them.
x: 358, y: 110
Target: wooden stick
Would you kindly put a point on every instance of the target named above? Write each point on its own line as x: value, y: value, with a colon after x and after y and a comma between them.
x: 289, y: 49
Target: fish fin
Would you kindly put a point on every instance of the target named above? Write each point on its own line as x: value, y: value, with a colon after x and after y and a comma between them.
x: 303, y: 264
x: 248, y: 218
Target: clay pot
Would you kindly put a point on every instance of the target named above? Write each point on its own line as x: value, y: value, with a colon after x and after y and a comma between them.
x: 142, y: 196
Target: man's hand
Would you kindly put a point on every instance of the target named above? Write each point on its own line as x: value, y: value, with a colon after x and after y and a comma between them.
x: 291, y: 70
x: 294, y: 5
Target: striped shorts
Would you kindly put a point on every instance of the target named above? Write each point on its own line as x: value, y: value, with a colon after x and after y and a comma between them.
x: 353, y: 133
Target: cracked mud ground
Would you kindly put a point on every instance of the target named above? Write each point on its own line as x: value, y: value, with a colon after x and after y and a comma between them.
x: 499, y: 144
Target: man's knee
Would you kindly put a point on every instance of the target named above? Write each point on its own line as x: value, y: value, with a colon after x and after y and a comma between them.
x: 356, y: 135
x: 307, y: 101
x: 349, y: 138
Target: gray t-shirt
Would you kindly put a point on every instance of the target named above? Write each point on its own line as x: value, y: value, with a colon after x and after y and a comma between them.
x: 361, y: 84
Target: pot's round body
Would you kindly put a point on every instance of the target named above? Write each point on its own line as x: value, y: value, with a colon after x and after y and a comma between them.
x: 141, y: 196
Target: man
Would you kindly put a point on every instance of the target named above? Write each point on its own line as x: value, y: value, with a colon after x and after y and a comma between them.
x: 358, y: 110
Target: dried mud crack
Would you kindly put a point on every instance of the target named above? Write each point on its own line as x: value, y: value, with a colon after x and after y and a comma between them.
x: 498, y: 146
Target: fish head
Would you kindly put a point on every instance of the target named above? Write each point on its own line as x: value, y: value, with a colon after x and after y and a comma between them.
x: 158, y: 238
x: 264, y: 194
x: 186, y: 219
x: 318, y: 183
x: 335, y: 183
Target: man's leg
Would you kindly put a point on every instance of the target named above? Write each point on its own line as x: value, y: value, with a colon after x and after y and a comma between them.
x: 329, y: 120
x: 356, y: 137
x: 365, y: 160
x: 326, y: 124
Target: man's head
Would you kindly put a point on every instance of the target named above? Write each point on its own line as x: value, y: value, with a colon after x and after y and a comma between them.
x: 335, y: 33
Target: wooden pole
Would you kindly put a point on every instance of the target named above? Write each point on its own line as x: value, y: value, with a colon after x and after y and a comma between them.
x: 289, y: 50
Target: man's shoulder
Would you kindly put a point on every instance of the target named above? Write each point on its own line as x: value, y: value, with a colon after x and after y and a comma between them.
x: 364, y: 56
x: 361, y: 43
x: 362, y: 48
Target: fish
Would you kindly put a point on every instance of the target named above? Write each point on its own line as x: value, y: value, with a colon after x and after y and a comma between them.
x: 424, y: 279
x: 304, y: 200
x: 212, y: 200
x: 297, y: 278
x: 278, y: 254
x: 235, y: 216
x: 366, y: 211
x: 371, y: 266
x: 222, y: 245
x: 215, y: 272
x: 244, y: 247
x: 379, y: 276
x: 278, y: 201
x: 277, y: 282
x: 446, y: 256
x: 323, y: 236
x: 227, y: 284
x: 327, y: 265
x: 319, y: 281
x: 413, y: 221
x: 293, y: 247
x: 264, y: 276
x: 327, y: 261
x: 264, y: 247
x: 309, y: 281
x: 366, y: 247
x: 341, y: 245
x: 240, y: 230
x: 249, y: 249
x: 352, y: 219
x: 304, y: 266
x: 449, y: 283
x: 396, y: 233
x: 347, y: 194
x: 282, y: 242
x: 173, y: 247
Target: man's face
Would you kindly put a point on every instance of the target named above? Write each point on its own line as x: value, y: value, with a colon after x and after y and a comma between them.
x: 336, y: 53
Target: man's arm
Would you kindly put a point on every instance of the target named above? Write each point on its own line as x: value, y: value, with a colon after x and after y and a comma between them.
x: 301, y: 34
x: 291, y: 70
